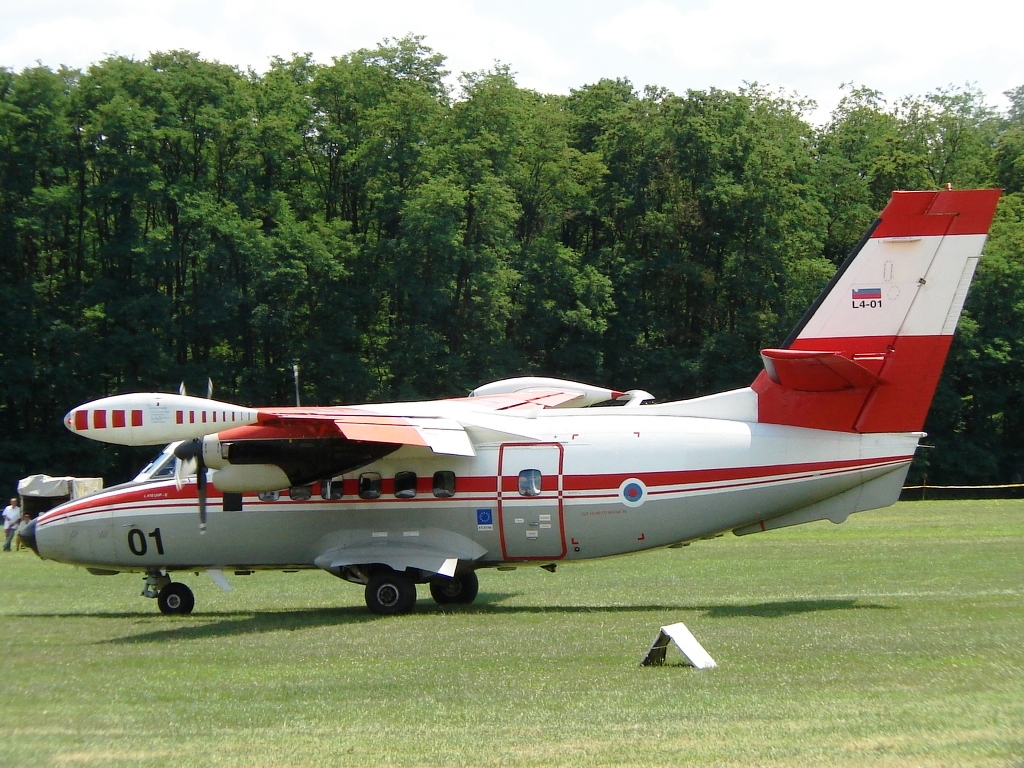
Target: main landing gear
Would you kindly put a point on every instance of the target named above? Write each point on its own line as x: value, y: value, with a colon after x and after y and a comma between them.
x: 391, y: 593
x: 460, y: 590
x: 172, y: 597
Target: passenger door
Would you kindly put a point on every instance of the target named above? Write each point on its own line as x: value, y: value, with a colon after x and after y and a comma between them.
x: 530, y: 501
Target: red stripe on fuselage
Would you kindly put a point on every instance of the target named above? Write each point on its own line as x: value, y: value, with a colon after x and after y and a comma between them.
x: 718, y: 475
x: 470, y: 488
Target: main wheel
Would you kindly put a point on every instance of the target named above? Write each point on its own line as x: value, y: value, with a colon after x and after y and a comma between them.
x: 176, y: 598
x: 390, y: 593
x: 459, y: 590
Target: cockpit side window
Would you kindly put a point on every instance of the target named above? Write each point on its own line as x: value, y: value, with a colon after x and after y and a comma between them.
x: 160, y: 468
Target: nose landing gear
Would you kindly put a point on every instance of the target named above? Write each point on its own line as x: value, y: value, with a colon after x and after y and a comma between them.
x: 172, y: 597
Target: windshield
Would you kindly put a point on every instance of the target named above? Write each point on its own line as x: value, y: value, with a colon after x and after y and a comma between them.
x: 160, y: 468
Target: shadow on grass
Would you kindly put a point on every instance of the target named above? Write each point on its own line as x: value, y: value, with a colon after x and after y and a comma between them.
x: 778, y: 609
x: 202, y: 625
x: 768, y: 610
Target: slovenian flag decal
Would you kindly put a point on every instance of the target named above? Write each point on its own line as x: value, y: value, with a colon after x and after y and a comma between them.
x: 866, y: 293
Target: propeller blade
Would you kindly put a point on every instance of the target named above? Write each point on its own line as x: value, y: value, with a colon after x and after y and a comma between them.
x: 209, y: 388
x: 201, y: 493
x: 181, y: 389
x: 183, y: 468
x: 191, y: 452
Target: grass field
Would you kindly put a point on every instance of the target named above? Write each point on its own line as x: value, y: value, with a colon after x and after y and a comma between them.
x: 892, y: 640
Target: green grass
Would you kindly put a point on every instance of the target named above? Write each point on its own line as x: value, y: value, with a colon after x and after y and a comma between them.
x: 896, y: 639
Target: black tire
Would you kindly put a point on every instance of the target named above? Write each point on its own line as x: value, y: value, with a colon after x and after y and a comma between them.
x: 390, y: 593
x: 460, y: 590
x: 176, y: 598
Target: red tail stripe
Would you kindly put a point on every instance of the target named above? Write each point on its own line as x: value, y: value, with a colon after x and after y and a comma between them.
x: 951, y: 212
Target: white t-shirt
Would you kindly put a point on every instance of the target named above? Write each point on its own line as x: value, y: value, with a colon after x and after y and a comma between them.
x: 12, y: 515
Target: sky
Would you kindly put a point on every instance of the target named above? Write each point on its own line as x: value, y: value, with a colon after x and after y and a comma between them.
x: 800, y: 47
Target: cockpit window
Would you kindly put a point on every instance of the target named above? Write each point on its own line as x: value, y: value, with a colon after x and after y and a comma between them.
x: 160, y: 468
x: 166, y: 468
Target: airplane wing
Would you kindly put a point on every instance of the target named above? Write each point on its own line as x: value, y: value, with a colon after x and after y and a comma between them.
x: 156, y: 419
x: 159, y: 418
x: 256, y: 449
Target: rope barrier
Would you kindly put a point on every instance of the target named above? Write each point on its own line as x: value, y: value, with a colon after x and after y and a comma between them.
x: 961, y: 487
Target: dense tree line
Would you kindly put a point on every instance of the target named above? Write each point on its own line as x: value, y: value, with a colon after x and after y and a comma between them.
x: 175, y: 219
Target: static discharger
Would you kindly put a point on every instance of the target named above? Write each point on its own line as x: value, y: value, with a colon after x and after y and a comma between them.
x: 684, y: 640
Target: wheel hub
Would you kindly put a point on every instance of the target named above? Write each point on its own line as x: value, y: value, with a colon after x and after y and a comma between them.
x: 388, y: 596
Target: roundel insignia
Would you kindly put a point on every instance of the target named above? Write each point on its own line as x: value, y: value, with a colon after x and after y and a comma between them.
x: 633, y: 492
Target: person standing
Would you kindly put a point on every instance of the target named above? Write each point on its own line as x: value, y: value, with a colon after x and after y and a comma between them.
x: 22, y: 525
x: 12, y: 516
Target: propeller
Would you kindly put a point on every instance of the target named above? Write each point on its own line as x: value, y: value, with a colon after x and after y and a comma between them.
x: 189, y: 455
x: 190, y: 459
x: 209, y: 388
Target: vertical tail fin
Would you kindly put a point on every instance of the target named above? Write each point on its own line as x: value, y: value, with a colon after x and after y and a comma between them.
x: 868, y: 354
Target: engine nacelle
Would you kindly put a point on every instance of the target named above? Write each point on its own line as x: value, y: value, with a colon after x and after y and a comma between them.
x: 250, y: 478
x: 274, y: 463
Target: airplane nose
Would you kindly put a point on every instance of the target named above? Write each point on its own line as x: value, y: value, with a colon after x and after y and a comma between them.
x: 28, y: 536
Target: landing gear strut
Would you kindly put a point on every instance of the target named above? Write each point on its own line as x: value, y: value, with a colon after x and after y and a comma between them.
x: 172, y: 596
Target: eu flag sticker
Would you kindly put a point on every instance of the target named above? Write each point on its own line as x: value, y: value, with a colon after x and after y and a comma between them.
x: 484, y: 520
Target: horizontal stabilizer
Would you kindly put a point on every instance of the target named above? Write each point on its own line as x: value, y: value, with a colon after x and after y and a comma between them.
x: 810, y: 371
x: 531, y: 391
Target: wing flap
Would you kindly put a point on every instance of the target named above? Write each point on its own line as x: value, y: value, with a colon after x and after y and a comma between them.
x: 401, y: 434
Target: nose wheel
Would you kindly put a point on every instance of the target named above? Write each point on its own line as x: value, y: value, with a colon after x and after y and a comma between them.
x: 176, y: 598
x: 171, y: 596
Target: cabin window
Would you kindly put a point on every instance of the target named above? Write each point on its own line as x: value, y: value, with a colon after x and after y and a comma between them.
x: 300, y: 492
x: 529, y: 482
x: 332, y: 490
x: 405, y: 485
x: 444, y: 484
x: 369, y: 485
x: 269, y: 495
x: 232, y: 502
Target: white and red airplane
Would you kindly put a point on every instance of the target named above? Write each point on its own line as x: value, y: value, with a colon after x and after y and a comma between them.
x: 524, y: 471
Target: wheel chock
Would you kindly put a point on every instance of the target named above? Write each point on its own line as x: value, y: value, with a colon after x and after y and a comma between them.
x: 684, y: 640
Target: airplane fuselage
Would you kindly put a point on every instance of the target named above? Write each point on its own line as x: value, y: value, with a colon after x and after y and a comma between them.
x: 585, y: 485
